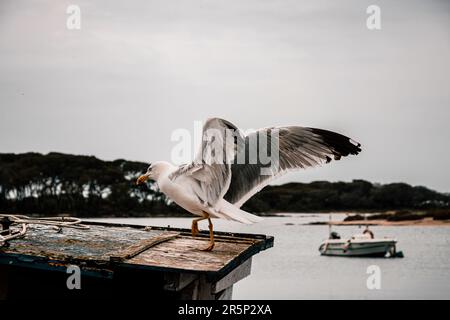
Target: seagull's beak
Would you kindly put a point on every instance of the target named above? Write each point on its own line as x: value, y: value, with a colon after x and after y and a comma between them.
x: 142, y: 178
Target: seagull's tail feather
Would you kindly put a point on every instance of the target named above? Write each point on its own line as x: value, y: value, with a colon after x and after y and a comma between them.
x: 226, y: 210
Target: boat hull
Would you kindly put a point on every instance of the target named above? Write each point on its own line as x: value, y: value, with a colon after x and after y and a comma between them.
x: 357, y: 248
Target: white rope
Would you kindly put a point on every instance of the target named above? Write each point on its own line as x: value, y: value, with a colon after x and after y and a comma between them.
x: 24, y: 221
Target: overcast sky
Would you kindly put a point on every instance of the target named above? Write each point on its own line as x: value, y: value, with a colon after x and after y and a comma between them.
x: 137, y: 70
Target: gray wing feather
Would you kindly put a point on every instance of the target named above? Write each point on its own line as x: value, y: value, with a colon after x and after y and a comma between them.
x: 299, y: 148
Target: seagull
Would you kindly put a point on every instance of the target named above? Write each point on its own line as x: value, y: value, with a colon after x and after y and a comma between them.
x: 231, y: 167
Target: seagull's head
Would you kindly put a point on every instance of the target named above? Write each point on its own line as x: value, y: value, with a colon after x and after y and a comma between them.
x: 153, y: 172
x: 146, y: 176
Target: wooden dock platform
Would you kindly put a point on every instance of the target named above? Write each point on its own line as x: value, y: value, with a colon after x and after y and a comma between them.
x: 119, y: 260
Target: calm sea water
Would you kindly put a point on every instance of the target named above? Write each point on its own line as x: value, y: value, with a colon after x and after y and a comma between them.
x: 293, y: 268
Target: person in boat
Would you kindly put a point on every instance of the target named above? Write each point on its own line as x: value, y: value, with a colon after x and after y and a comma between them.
x: 334, y: 235
x: 368, y: 232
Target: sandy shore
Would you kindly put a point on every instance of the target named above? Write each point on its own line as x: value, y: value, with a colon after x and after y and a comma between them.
x: 422, y: 222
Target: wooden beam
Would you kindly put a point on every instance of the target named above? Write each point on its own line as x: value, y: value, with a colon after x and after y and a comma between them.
x: 234, y: 276
x: 226, y: 294
x: 205, y: 290
x: 178, y: 281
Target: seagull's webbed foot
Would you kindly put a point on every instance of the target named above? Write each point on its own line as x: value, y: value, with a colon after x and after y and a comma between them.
x: 209, y: 247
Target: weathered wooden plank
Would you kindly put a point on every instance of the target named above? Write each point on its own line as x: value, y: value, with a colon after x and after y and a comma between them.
x: 185, y: 253
x: 141, y: 246
x: 94, y: 244
x: 120, y: 256
x: 135, y: 247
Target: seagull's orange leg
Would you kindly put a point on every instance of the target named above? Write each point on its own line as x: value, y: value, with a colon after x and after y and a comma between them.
x: 211, y: 236
x: 194, y: 228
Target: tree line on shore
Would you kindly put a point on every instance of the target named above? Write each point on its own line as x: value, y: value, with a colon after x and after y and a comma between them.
x: 84, y: 186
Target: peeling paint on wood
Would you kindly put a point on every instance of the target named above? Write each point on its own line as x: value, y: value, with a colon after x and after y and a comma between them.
x: 119, y: 259
x: 132, y: 246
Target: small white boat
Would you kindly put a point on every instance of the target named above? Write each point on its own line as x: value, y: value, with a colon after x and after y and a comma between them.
x: 360, y: 245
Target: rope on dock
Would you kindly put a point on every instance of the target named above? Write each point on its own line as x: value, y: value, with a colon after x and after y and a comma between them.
x: 7, y: 220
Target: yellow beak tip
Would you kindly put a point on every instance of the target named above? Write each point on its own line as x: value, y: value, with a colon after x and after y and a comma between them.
x: 141, y: 180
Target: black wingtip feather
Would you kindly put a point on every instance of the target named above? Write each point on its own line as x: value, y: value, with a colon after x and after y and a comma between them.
x: 340, y: 145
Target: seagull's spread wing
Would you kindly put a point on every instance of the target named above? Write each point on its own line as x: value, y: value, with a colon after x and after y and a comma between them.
x: 228, y: 169
x: 210, y: 172
x: 299, y: 148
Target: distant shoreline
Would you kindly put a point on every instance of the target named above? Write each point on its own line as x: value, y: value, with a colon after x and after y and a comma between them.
x: 84, y: 186
x: 435, y: 217
x: 383, y: 222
